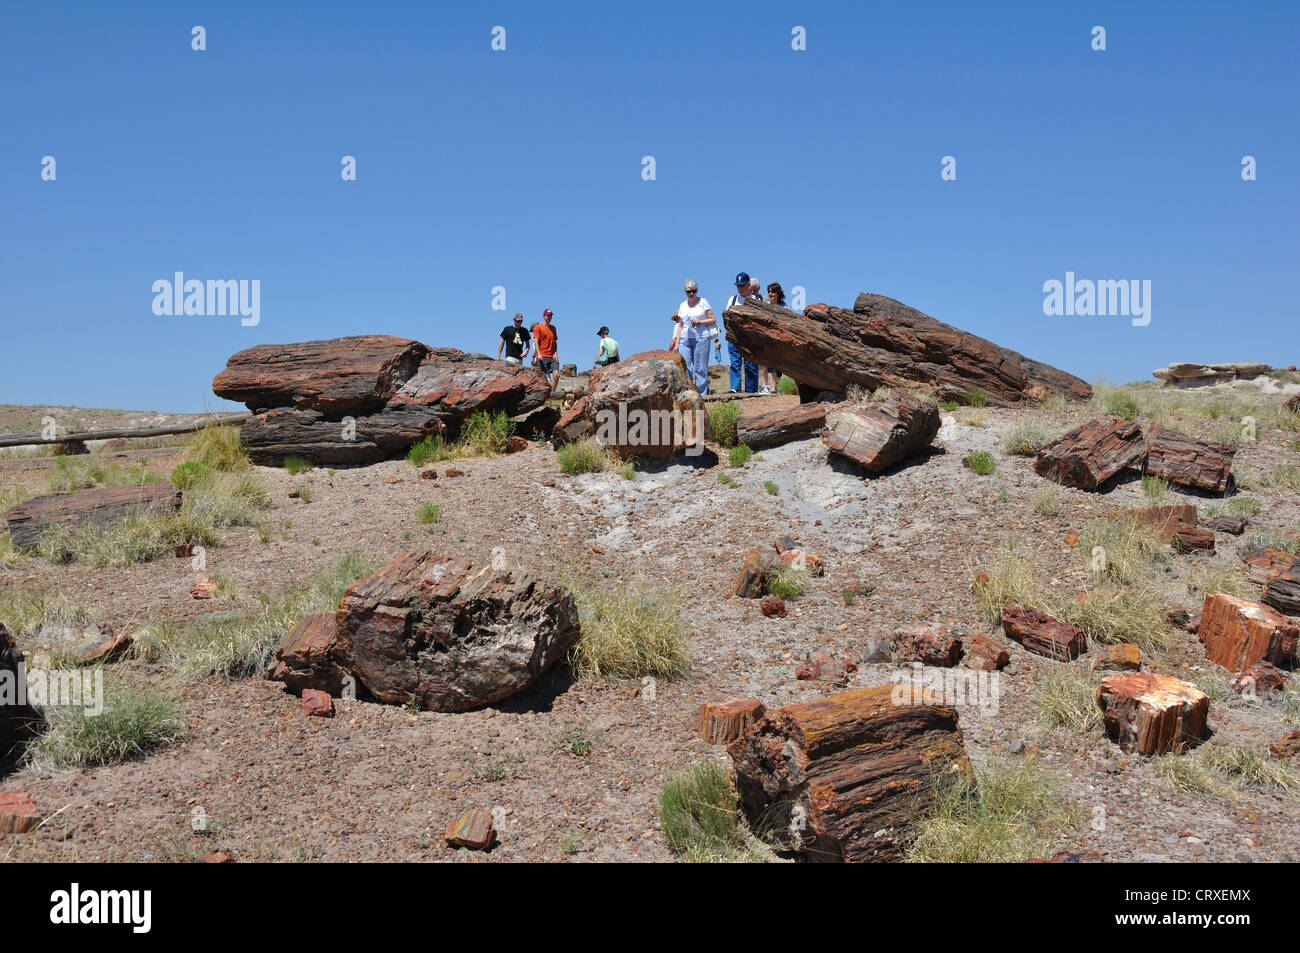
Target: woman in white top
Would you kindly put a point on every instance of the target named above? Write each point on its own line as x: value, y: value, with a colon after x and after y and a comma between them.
x: 695, y: 340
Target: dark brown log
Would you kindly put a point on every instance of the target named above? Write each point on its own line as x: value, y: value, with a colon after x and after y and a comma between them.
x: 1293, y: 404
x: 781, y: 426
x: 29, y: 521
x: 1192, y: 539
x: 760, y: 567
x: 446, y: 389
x: 1226, y: 524
x: 338, y: 376
x: 882, y: 342
x: 647, y: 407
x: 1040, y: 633
x: 845, y: 778
x: 1152, y: 714
x: 1282, y: 591
x: 1090, y: 455
x: 1184, y: 460
x: 883, y: 434
x: 18, y: 723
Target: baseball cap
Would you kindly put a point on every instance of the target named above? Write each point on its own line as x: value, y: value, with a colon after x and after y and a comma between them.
x: 518, y: 316
x: 603, y: 330
x: 742, y: 279
x: 548, y: 313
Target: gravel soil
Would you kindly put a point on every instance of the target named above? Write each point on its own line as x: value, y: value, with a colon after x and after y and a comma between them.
x: 380, y: 783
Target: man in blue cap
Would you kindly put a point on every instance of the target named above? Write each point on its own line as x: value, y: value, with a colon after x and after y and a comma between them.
x: 743, y: 291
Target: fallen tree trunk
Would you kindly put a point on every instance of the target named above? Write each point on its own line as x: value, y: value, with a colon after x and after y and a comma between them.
x: 780, y: 426
x: 81, y: 436
x: 883, y: 342
x: 1184, y: 460
x: 29, y: 521
x: 1090, y: 455
x: 883, y: 434
x: 844, y: 778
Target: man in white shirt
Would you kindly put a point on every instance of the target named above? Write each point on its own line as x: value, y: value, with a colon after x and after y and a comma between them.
x: 745, y: 288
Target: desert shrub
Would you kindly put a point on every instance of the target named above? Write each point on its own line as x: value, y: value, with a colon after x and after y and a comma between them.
x: 1154, y: 489
x: 428, y: 512
x: 628, y: 632
x: 1047, y: 500
x: 486, y: 435
x: 1024, y: 439
x: 29, y: 607
x: 1118, y: 403
x: 771, y: 488
x: 1205, y: 578
x: 701, y: 818
x: 722, y: 421
x: 1009, y: 579
x: 948, y: 405
x: 187, y: 474
x: 739, y: 456
x: 628, y: 470
x: 1131, y: 549
x: 239, y: 644
x: 790, y: 583
x: 1223, y: 770
x: 975, y: 419
x: 1112, y: 613
x: 134, y: 722
x: 82, y: 473
x: 586, y: 455
x: 788, y: 385
x: 1241, y: 507
x: 975, y: 398
x: 219, y: 447
x: 1069, y: 700
x: 430, y: 449
x: 296, y: 464
x: 1013, y: 812
x: 981, y: 462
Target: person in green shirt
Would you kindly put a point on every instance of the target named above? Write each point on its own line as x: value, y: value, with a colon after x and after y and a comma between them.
x: 608, y: 353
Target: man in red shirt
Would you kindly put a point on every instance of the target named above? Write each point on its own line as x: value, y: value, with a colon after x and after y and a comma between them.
x: 544, y: 349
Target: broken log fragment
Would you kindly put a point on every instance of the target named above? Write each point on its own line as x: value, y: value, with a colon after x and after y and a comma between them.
x: 1090, y: 455
x: 1152, y: 714
x: 1237, y: 633
x: 722, y: 722
x: 1043, y: 635
x: 845, y: 778
x: 781, y: 426
x: 29, y: 521
x: 882, y: 434
x: 1184, y: 460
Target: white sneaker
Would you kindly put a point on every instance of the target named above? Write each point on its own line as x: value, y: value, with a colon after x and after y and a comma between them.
x: 765, y: 391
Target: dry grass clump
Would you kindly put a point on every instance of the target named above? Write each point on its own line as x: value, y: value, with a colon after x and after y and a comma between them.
x: 219, y: 447
x: 1205, y: 578
x: 1130, y: 551
x: 1025, y: 439
x: 1228, y: 771
x: 586, y: 455
x: 628, y: 632
x: 1110, y: 614
x: 1069, y: 700
x: 1011, y: 813
x: 134, y: 722
x: 1047, y: 500
x: 702, y: 820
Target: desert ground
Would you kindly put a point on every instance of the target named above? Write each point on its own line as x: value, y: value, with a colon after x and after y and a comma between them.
x: 573, y: 769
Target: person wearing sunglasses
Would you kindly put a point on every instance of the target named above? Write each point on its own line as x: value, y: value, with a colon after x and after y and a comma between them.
x: 694, y: 340
x: 514, y: 338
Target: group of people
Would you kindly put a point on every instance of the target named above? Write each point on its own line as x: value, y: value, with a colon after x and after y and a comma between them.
x: 544, y: 339
x: 696, y: 330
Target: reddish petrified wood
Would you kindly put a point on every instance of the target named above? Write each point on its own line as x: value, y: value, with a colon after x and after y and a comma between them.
x: 722, y: 722
x: 317, y: 704
x: 1237, y: 633
x: 772, y: 607
x: 647, y: 407
x: 1263, y: 563
x: 473, y: 830
x: 339, y: 375
x: 781, y: 426
x: 1259, y: 679
x: 1040, y: 633
x: 28, y: 521
x: 1090, y: 455
x: 930, y: 645
x: 1124, y: 656
x: 1152, y: 714
x: 756, y: 574
x: 1192, y: 539
x: 1293, y: 404
x: 1184, y: 460
x: 883, y: 342
x: 572, y: 425
x: 1288, y: 746
x: 883, y: 434
x: 844, y: 778
x: 985, y: 655
x: 1166, y: 520
x: 821, y: 666
x: 18, y: 813
x: 312, y: 655
x: 1226, y: 524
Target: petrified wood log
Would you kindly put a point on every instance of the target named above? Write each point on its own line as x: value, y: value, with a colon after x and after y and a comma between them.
x: 1089, y: 455
x: 1124, y: 656
x: 930, y: 645
x: 452, y: 636
x: 1184, y: 460
x: 1192, y: 539
x: 760, y: 567
x: 337, y: 376
x: 1041, y: 634
x: 28, y: 521
x: 722, y: 722
x: 572, y: 425
x: 1293, y: 404
x: 1283, y: 590
x: 1226, y: 524
x: 1152, y: 714
x: 18, y: 723
x: 882, y: 342
x: 844, y: 778
x: 1237, y: 633
x: 646, y: 406
x: 985, y: 655
x: 1264, y: 562
x: 1166, y: 520
x: 780, y: 426
x: 883, y: 434
x: 312, y: 656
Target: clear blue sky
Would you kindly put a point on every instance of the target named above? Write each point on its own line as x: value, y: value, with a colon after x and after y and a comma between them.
x: 522, y: 169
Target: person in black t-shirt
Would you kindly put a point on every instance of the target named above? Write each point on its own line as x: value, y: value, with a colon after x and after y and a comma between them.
x: 514, y: 339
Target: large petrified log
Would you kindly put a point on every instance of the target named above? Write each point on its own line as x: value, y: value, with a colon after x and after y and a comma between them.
x: 781, y: 426
x: 447, y: 387
x: 844, y: 778
x: 1152, y: 714
x: 1091, y: 454
x: 338, y: 375
x: 1186, y: 374
x: 452, y: 636
x: 646, y: 406
x: 1283, y: 589
x: 28, y: 521
x: 1181, y: 459
x: 1237, y: 633
x: 883, y: 342
x: 1042, y: 634
x: 880, y: 435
